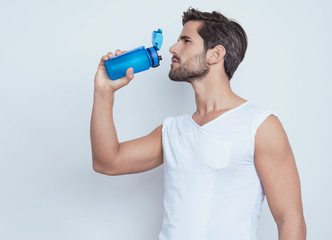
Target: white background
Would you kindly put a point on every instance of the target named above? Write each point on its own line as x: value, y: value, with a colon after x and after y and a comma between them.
x: 49, y: 52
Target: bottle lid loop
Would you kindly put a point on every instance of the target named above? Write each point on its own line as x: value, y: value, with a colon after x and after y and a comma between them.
x: 157, y: 39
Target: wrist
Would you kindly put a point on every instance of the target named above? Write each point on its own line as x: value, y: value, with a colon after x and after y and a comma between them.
x: 105, y: 94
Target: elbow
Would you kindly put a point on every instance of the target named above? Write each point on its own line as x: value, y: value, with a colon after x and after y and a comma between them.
x: 295, y: 227
x: 98, y: 167
x: 304, y: 228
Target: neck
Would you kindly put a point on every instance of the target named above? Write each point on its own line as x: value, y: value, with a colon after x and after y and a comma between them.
x: 213, y: 94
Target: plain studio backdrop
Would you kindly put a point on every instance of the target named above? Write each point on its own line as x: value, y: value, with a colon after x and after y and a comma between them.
x: 49, y: 55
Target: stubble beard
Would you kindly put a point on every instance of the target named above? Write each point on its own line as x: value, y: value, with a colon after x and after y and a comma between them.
x: 194, y: 68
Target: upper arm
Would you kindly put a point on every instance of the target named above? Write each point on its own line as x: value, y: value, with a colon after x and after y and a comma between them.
x: 276, y: 167
x: 138, y: 155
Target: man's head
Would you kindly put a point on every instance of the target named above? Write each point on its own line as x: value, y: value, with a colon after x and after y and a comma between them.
x: 207, y: 39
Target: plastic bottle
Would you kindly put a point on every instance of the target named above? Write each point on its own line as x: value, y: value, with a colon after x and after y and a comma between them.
x: 140, y: 59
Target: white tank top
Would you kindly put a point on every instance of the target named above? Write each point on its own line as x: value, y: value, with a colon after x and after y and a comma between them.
x: 212, y: 189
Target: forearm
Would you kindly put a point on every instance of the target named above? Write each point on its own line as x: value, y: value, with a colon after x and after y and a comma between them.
x: 292, y: 230
x: 104, y: 140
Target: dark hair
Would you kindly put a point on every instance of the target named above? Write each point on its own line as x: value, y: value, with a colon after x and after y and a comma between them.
x: 217, y: 29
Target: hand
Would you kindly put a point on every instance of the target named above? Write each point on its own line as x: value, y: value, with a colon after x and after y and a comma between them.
x: 103, y: 82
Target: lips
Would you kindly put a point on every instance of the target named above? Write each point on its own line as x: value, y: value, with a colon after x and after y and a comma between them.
x: 174, y: 60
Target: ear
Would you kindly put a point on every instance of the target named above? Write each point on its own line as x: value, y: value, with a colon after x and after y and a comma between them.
x: 216, y: 54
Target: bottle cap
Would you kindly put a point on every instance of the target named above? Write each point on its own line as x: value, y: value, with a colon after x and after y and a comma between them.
x: 157, y: 38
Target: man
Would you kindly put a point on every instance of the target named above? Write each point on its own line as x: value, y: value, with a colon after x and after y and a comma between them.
x: 221, y: 161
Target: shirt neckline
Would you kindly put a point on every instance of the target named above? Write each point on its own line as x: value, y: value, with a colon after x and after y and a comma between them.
x: 219, y: 117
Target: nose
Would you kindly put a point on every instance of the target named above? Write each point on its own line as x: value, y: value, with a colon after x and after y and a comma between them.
x: 173, y: 50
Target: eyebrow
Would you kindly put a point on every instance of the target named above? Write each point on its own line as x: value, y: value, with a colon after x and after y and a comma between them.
x: 184, y: 37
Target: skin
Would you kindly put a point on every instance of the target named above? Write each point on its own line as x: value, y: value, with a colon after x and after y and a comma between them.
x: 274, y: 159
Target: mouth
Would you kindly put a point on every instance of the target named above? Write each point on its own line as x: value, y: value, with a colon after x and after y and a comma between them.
x: 174, y: 60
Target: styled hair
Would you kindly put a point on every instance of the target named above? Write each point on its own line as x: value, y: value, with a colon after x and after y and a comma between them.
x: 216, y: 29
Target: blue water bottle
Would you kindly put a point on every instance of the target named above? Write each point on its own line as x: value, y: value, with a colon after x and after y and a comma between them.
x: 140, y: 59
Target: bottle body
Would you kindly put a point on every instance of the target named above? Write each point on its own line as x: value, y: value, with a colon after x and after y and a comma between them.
x: 137, y: 58
x: 140, y: 59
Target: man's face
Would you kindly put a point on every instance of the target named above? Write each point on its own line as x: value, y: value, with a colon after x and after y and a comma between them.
x: 189, y: 60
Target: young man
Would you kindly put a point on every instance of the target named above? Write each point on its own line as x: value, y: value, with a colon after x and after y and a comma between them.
x: 221, y: 161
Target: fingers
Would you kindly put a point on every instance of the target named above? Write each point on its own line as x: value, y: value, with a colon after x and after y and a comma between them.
x: 111, y: 55
x: 117, y: 53
x: 129, y: 73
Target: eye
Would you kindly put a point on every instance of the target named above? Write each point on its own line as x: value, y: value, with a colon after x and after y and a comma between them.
x: 186, y: 41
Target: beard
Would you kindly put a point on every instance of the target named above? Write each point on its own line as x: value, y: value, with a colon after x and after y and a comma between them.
x: 192, y: 69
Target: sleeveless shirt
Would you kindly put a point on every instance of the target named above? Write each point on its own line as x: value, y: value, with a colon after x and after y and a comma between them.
x: 212, y: 189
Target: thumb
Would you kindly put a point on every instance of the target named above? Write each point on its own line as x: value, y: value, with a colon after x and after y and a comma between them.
x: 129, y: 76
x: 130, y: 73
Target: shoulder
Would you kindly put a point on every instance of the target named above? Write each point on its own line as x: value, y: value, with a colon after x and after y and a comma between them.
x: 174, y: 120
x: 260, y: 116
x: 271, y: 140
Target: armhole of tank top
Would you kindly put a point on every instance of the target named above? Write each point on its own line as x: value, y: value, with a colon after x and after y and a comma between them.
x: 256, y: 122
x: 165, y: 123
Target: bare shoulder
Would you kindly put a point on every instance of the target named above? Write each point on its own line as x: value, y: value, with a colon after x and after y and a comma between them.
x: 271, y: 138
